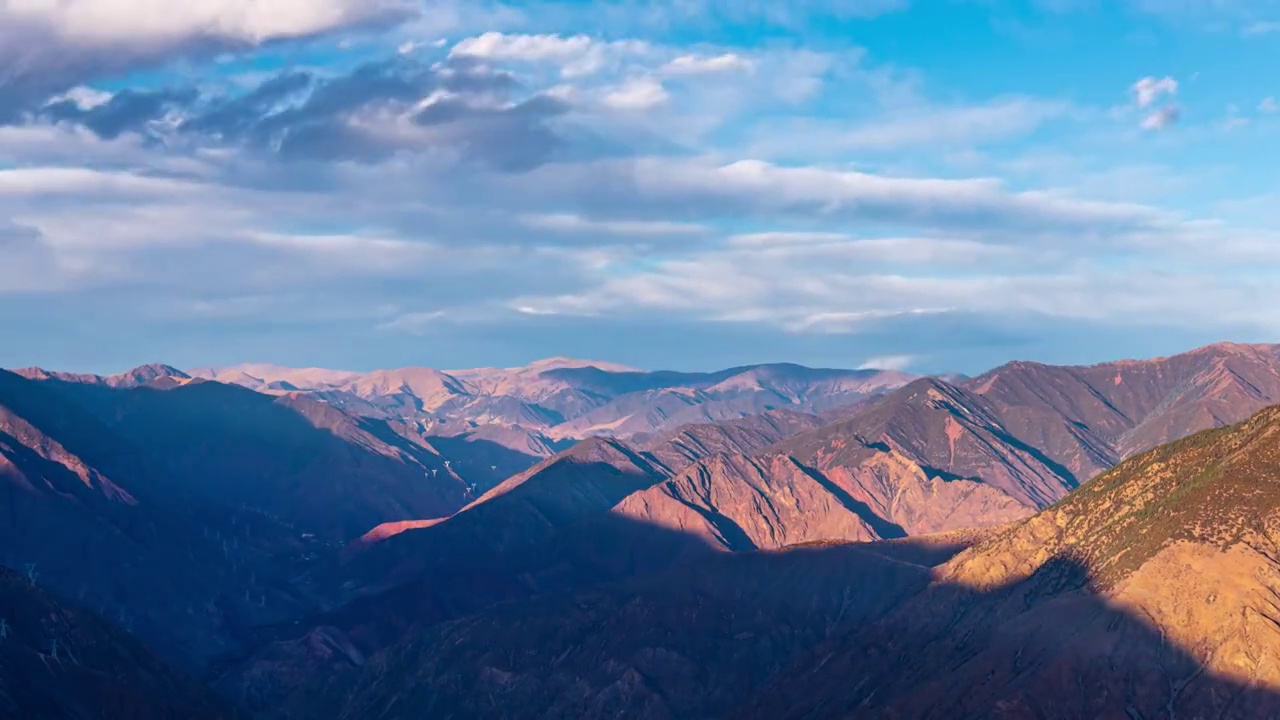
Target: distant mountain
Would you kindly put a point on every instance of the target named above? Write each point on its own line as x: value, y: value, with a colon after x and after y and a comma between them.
x: 1152, y: 587
x: 502, y: 421
x: 61, y: 663
x: 163, y: 375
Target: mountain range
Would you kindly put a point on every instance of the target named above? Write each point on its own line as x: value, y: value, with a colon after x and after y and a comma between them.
x: 575, y: 539
x: 497, y: 422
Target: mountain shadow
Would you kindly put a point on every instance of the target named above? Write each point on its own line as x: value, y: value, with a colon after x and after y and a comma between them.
x: 1049, y: 646
x: 834, y: 631
x: 447, y: 571
x: 302, y: 462
x: 58, y: 662
x: 484, y: 463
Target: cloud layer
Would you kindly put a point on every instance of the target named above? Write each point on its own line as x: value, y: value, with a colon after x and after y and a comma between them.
x: 490, y: 181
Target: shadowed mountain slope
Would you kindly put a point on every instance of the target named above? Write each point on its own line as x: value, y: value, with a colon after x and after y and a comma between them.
x: 189, y: 513
x: 1151, y: 592
x: 686, y: 643
x: 301, y: 461
x: 59, y: 663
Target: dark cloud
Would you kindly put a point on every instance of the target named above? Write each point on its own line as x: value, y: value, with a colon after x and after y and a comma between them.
x: 127, y: 110
x: 460, y: 107
x: 43, y: 51
x: 237, y: 116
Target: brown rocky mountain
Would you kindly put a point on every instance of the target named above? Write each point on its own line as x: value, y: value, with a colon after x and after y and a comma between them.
x: 934, y: 456
x: 1088, y: 418
x: 60, y: 663
x: 1150, y: 592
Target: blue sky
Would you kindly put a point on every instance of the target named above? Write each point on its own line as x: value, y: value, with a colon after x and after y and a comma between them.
x: 941, y: 186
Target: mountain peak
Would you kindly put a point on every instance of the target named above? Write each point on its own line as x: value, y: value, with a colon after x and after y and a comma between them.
x: 153, y: 371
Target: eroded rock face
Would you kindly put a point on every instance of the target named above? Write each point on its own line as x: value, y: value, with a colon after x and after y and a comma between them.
x: 1149, y: 592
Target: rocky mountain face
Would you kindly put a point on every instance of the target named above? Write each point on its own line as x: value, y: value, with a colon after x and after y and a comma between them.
x: 934, y: 456
x: 304, y: 462
x: 1088, y: 418
x: 1150, y: 592
x: 62, y: 663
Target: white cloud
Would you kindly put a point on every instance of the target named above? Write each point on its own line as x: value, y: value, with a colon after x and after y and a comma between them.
x: 637, y: 94
x: 1149, y: 90
x: 1162, y: 118
x: 906, y: 251
x: 849, y: 322
x: 753, y: 188
x: 122, y: 22
x: 699, y: 65
x: 525, y: 310
x: 786, y: 239
x: 576, y: 55
x: 75, y: 182
x: 50, y: 45
x: 523, y: 48
x: 888, y: 362
x: 85, y: 98
x: 570, y: 223
x: 1269, y: 106
x: 796, y: 294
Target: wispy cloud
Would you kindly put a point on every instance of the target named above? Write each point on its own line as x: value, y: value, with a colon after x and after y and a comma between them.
x: 888, y: 362
x: 571, y: 223
x: 1162, y: 118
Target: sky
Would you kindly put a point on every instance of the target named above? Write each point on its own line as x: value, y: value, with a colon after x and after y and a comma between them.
x: 929, y: 185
